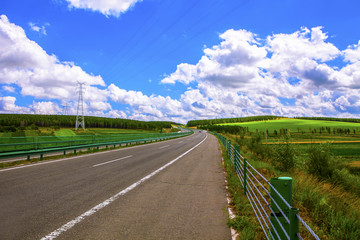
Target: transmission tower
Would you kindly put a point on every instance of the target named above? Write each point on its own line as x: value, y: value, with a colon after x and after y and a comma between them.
x: 80, y: 120
x: 66, y: 109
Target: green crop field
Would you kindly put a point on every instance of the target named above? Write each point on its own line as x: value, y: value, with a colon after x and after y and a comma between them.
x: 294, y: 125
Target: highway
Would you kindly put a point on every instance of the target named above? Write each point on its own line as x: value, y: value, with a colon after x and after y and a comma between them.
x: 166, y: 190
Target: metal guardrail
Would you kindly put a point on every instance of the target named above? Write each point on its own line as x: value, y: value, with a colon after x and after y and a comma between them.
x: 8, y: 144
x: 75, y: 147
x: 272, y: 204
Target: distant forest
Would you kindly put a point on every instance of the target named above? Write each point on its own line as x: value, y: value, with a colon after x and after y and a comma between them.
x: 26, y: 120
x: 194, y: 123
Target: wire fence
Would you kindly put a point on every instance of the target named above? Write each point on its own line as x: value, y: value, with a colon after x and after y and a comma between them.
x: 270, y: 200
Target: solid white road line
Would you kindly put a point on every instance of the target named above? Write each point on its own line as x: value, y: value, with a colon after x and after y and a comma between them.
x: 112, y: 161
x: 164, y: 146
x: 98, y: 207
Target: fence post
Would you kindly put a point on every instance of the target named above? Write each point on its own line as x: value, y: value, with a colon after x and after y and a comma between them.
x: 283, y: 186
x: 237, y: 148
x: 228, y: 149
x: 245, y: 175
x: 294, y: 224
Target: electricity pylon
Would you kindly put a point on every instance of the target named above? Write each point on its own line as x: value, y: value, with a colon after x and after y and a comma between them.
x: 66, y: 109
x: 80, y: 120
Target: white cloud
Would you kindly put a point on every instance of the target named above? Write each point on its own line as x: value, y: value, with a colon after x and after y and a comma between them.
x: 40, y: 75
x: 38, y: 29
x: 45, y: 108
x: 352, y: 53
x: 117, y: 114
x: 8, y: 89
x: 106, y: 7
x: 234, y: 62
x: 242, y: 75
x: 244, y: 69
x: 7, y: 105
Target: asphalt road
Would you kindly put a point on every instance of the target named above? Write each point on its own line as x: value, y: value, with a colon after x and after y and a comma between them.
x: 167, y: 190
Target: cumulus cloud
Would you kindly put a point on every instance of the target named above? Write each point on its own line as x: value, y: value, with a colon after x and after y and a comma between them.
x: 245, y: 68
x: 40, y: 75
x: 148, y: 107
x: 281, y: 74
x: 45, y: 108
x: 7, y: 105
x: 106, y: 7
x: 233, y: 62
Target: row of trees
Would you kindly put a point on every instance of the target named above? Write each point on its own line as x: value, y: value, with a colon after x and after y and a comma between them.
x: 232, y: 129
x: 239, y: 130
x: 194, y: 123
x: 25, y: 120
x: 356, y: 120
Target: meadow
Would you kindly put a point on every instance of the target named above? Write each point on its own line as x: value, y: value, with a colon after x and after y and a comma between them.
x: 296, y: 125
x: 47, y: 137
x: 50, y: 131
x: 322, y: 157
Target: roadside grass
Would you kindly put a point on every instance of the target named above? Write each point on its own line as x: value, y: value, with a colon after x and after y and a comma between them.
x: 64, y: 132
x: 245, y: 220
x: 329, y: 206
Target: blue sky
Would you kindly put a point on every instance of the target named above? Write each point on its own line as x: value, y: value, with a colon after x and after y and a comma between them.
x: 180, y: 60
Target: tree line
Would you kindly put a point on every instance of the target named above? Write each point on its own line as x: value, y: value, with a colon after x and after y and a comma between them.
x: 355, y: 120
x: 14, y: 121
x: 194, y: 123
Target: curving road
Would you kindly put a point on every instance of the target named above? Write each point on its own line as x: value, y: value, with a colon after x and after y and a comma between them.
x: 167, y: 190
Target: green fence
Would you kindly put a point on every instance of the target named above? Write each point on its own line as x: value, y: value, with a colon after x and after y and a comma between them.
x: 270, y: 200
x: 9, y: 144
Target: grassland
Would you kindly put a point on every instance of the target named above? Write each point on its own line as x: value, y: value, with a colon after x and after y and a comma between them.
x: 329, y: 202
x: 295, y: 125
x: 61, y: 132
x: 50, y: 137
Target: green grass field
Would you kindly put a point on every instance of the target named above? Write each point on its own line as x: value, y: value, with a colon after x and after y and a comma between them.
x: 49, y: 137
x: 294, y: 125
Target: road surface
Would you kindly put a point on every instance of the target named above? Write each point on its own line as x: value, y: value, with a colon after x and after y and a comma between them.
x: 167, y: 190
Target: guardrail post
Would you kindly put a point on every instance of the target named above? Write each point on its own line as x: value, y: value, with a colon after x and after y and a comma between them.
x: 28, y: 157
x: 75, y: 151
x: 245, y: 176
x: 283, y: 186
x: 65, y: 152
x: 41, y: 157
